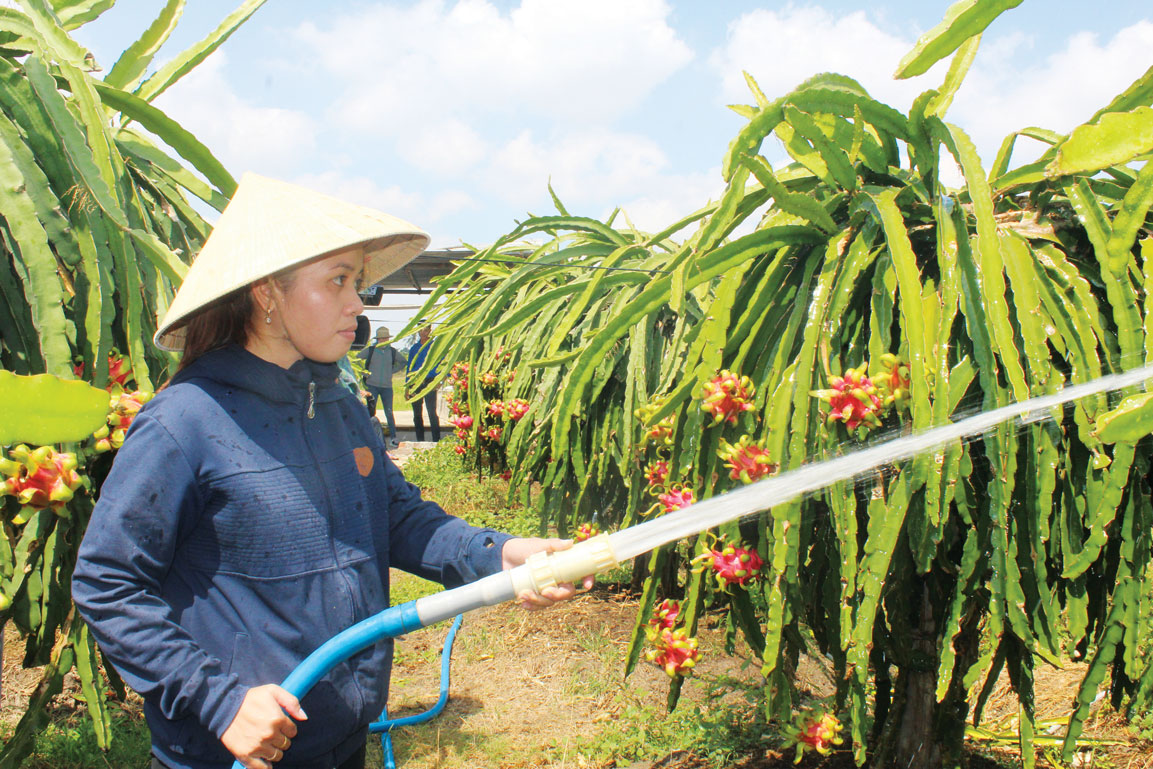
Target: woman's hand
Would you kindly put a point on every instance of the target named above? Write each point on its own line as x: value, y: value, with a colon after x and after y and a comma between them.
x: 516, y: 551
x: 262, y: 729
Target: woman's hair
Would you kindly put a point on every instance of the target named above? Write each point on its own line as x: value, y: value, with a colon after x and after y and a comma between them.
x: 226, y: 321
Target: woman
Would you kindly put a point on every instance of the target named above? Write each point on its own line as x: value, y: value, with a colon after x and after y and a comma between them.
x: 253, y: 513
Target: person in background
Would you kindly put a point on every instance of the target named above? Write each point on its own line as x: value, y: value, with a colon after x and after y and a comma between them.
x: 381, y: 361
x: 416, y: 357
x: 253, y: 512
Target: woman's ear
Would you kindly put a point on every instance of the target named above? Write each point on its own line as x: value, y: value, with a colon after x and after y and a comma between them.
x: 262, y: 296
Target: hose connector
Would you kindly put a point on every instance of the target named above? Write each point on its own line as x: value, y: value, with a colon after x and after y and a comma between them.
x: 544, y: 570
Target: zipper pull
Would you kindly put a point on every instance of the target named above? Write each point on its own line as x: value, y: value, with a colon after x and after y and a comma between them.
x: 311, y: 400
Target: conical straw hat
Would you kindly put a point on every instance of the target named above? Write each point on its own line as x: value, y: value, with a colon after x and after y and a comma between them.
x: 270, y: 226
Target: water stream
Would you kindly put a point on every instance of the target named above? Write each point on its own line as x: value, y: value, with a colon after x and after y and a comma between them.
x: 809, y: 478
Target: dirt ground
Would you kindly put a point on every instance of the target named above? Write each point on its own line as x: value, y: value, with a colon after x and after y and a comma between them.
x: 530, y: 686
x: 513, y: 672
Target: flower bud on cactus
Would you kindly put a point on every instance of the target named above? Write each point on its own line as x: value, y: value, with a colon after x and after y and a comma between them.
x: 659, y: 432
x: 892, y: 380
x: 853, y: 399
x: 662, y: 431
x: 665, y: 615
x: 726, y: 396
x: 816, y: 732
x: 732, y: 565
x: 675, y: 653
x: 747, y: 461
x: 585, y: 531
x: 676, y: 498
x: 39, y: 478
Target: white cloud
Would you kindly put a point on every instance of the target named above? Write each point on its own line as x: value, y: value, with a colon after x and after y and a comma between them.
x: 366, y: 192
x: 241, y: 135
x: 783, y: 49
x: 1010, y: 86
x: 673, y: 198
x: 418, y: 208
x: 1057, y: 91
x: 449, y: 202
x: 445, y: 147
x: 578, y: 59
x: 589, y: 166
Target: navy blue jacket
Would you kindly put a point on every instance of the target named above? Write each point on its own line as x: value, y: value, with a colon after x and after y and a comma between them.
x: 252, y: 514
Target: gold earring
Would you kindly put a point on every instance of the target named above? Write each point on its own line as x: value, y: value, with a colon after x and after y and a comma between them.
x: 268, y: 315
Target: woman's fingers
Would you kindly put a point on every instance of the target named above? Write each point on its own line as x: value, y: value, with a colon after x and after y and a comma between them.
x: 290, y: 705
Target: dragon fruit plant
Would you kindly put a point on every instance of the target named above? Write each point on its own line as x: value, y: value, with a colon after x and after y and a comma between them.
x: 818, y: 732
x: 585, y: 531
x: 656, y: 473
x: 747, y: 461
x: 853, y: 400
x: 1020, y: 276
x: 665, y: 615
x: 891, y: 378
x: 674, y: 651
x: 730, y: 564
x: 515, y: 409
x: 119, y: 371
x: 726, y: 396
x: 39, y: 478
x: 660, y: 432
x: 676, y: 497
x: 125, y: 407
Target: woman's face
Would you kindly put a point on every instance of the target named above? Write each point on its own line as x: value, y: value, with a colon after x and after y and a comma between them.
x: 314, y: 311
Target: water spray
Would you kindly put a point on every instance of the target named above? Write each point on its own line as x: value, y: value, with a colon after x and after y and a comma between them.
x: 605, y: 551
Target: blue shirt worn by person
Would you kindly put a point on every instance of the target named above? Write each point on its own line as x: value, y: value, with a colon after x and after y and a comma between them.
x: 251, y: 515
x: 416, y: 355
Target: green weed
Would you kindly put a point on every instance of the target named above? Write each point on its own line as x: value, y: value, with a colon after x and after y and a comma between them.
x: 716, y: 730
x: 482, y: 501
x: 69, y: 742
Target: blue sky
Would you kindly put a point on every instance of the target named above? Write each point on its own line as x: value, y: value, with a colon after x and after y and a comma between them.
x: 456, y: 114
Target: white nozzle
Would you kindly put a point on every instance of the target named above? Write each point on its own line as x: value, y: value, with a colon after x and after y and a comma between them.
x: 544, y: 570
x: 540, y: 571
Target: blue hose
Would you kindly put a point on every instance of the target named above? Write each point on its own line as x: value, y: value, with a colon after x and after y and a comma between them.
x: 390, y: 623
x: 386, y: 725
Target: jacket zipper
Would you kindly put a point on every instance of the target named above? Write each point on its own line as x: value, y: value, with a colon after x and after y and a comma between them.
x: 349, y: 591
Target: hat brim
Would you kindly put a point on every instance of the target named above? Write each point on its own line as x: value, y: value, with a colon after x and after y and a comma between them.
x: 271, y: 226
